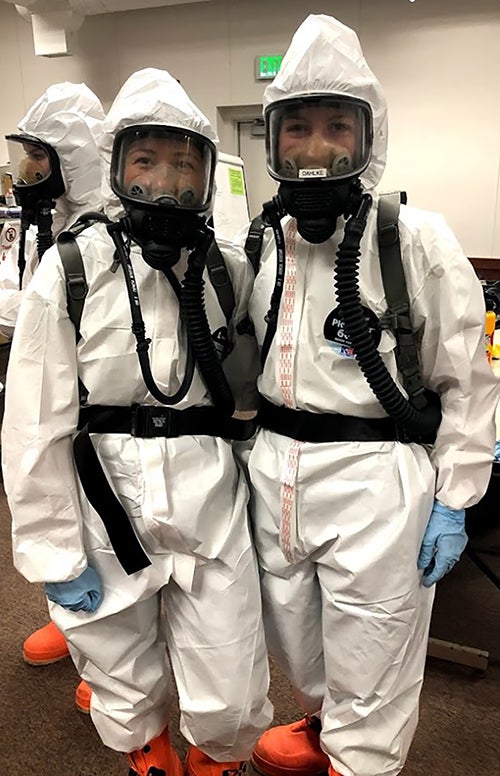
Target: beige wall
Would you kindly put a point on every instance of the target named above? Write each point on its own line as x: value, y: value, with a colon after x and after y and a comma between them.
x: 438, y: 60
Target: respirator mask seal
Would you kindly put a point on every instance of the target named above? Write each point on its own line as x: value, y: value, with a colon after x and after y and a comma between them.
x: 317, y: 147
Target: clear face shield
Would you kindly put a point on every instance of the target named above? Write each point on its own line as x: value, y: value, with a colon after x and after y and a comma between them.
x: 33, y: 163
x: 318, y: 138
x: 37, y: 183
x: 163, y: 167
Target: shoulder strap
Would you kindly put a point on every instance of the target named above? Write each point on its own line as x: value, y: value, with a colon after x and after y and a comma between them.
x: 255, y: 238
x: 393, y: 277
x: 76, y: 283
x: 89, y: 218
x: 219, y: 277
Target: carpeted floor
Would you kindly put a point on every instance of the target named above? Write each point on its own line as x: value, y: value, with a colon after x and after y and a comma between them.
x: 42, y: 734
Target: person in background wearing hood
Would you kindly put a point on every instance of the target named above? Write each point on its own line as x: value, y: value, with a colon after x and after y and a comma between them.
x: 148, y: 548
x: 57, y: 177
x: 354, y: 518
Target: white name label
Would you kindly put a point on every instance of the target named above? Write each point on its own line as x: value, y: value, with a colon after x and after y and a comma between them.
x: 321, y: 172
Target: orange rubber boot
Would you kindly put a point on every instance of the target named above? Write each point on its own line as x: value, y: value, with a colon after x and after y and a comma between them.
x: 291, y: 750
x: 200, y: 764
x: 83, y: 694
x: 46, y: 645
x: 156, y: 758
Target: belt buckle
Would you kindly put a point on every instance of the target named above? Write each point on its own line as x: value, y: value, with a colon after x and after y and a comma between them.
x: 140, y: 426
x: 160, y: 422
x: 149, y: 421
x: 135, y: 420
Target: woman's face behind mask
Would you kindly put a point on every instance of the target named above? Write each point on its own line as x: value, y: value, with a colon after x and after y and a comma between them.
x: 318, y: 137
x: 36, y: 164
x: 164, y: 168
x: 30, y: 162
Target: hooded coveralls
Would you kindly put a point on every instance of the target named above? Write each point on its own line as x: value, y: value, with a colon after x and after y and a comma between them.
x: 338, y: 525
x: 185, y: 496
x: 68, y: 117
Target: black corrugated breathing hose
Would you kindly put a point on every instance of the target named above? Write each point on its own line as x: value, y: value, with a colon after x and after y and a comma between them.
x: 44, y: 237
x: 424, y: 421
x: 198, y: 328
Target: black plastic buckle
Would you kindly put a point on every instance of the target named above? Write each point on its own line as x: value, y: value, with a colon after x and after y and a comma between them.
x: 403, y: 322
x: 388, y: 235
x: 219, y: 276
x: 76, y: 286
x: 402, y: 434
x: 417, y: 394
x: 422, y: 438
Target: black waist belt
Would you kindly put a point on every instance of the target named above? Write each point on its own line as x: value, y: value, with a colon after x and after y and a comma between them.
x: 325, y: 427
x: 145, y: 422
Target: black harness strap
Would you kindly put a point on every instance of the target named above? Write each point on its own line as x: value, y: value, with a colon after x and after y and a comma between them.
x: 254, y: 240
x: 324, y: 427
x: 98, y: 491
x: 71, y: 258
x: 219, y: 277
x: 398, y: 303
x: 76, y: 283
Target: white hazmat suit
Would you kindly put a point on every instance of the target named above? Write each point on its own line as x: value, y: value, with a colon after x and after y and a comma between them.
x: 68, y: 117
x: 185, y: 496
x: 338, y: 525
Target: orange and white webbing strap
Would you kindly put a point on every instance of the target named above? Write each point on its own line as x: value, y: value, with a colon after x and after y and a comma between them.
x: 286, y: 355
x: 287, y: 500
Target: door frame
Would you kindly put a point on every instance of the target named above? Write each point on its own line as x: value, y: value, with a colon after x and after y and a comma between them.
x: 228, y: 118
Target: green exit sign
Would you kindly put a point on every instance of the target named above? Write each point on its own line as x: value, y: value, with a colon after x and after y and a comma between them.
x: 267, y: 66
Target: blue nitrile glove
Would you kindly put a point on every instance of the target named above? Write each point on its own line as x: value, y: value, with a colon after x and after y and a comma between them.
x: 443, y: 543
x: 497, y: 450
x: 83, y: 594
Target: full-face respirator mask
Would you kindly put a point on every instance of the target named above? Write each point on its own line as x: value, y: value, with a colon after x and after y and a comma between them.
x: 164, y: 178
x: 37, y: 183
x: 36, y: 172
x: 317, y: 147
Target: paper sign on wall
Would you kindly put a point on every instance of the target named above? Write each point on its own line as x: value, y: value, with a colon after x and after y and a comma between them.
x: 231, y: 211
x: 236, y: 184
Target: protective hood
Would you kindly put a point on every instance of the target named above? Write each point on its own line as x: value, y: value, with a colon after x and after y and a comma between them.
x: 325, y: 57
x: 150, y: 96
x: 69, y: 117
